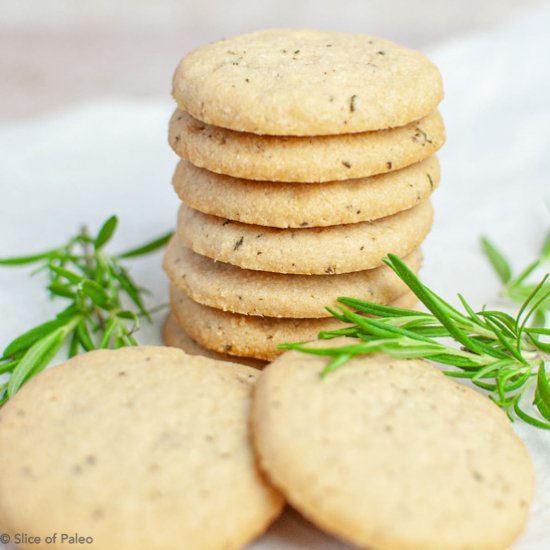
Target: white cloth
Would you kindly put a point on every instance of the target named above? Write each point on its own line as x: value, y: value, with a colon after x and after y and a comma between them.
x: 112, y: 157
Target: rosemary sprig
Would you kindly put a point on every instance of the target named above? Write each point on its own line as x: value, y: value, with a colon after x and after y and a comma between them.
x: 516, y: 288
x: 497, y: 352
x: 97, y: 287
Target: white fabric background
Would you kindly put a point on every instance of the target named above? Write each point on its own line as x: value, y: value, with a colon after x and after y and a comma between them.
x: 112, y: 157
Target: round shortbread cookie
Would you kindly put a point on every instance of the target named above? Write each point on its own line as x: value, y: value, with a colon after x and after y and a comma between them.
x: 136, y: 448
x: 305, y: 204
x: 248, y: 335
x: 387, y: 453
x: 304, y: 159
x: 306, y: 82
x: 230, y: 288
x: 310, y: 251
x: 174, y: 336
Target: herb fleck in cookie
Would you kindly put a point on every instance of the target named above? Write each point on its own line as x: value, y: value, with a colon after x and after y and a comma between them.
x: 308, y: 251
x: 249, y: 335
x: 230, y: 288
x: 388, y: 453
x: 137, y: 448
x: 306, y: 82
x: 278, y: 204
x: 304, y: 159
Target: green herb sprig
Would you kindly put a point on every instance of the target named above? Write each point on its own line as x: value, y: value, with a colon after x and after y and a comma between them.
x: 517, y: 288
x: 97, y: 286
x: 499, y: 353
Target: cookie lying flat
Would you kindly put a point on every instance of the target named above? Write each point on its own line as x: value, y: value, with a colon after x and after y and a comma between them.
x: 305, y: 204
x: 230, y: 288
x: 305, y: 82
x: 137, y: 448
x: 174, y: 336
x: 304, y: 159
x: 309, y: 251
x: 248, y: 335
x: 391, y: 454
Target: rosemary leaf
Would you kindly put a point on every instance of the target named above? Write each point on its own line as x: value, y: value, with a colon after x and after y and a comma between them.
x: 28, y: 338
x: 147, y: 248
x: 542, y: 394
x: 497, y: 259
x: 38, y: 356
x: 105, y: 233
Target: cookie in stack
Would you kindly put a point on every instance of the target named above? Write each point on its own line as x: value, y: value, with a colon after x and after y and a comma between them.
x: 306, y: 157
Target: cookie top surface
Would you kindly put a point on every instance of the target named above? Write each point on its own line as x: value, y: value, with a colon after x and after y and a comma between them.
x: 174, y: 336
x: 304, y: 159
x: 306, y: 82
x: 389, y: 453
x: 136, y: 448
x: 249, y: 335
x: 305, y: 204
x: 308, y: 251
x: 231, y: 288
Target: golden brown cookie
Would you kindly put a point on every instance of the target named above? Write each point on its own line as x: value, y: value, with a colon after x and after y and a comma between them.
x: 230, y: 288
x: 306, y: 82
x: 388, y: 453
x: 248, y: 335
x: 135, y: 448
x: 308, y: 251
x: 304, y: 159
x: 278, y: 204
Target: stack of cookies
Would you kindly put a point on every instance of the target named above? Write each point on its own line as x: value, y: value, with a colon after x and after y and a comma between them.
x: 306, y: 157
